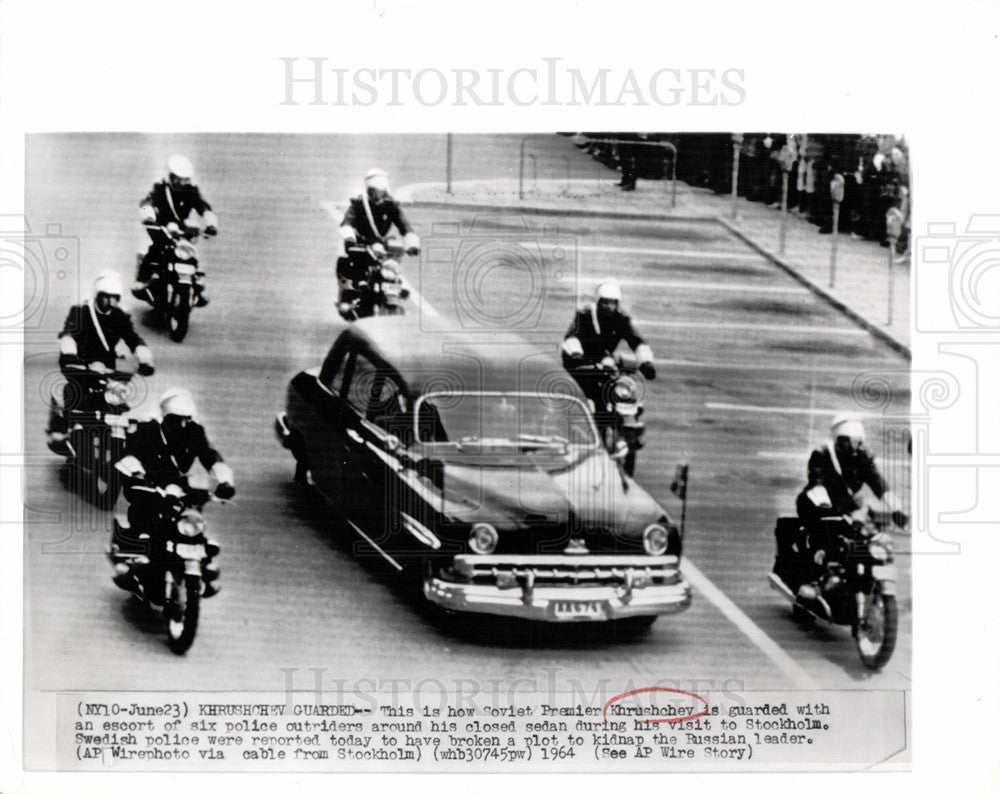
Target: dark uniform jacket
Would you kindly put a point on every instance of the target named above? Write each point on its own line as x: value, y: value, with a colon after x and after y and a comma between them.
x: 599, y: 340
x: 386, y: 214
x: 115, y: 325
x: 166, y: 458
x: 841, y: 482
x: 175, y: 203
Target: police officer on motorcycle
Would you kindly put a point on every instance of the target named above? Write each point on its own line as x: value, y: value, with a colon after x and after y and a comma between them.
x: 589, y: 345
x: 368, y: 220
x: 158, y: 457
x: 87, y: 345
x: 174, y: 209
x: 836, y: 473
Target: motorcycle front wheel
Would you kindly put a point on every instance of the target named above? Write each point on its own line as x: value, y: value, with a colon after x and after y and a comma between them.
x: 182, y: 613
x: 180, y: 313
x: 876, y: 637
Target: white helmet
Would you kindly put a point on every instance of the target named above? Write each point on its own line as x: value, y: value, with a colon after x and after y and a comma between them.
x: 378, y: 179
x: 848, y: 425
x: 177, y: 401
x: 179, y: 166
x: 108, y: 282
x: 609, y: 291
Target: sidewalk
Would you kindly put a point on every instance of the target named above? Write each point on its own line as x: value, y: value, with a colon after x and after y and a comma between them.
x: 861, y: 285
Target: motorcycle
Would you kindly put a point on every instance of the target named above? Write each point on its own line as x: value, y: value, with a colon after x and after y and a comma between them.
x: 172, y: 574
x: 842, y: 573
x: 380, y: 290
x: 618, y: 416
x: 88, y: 427
x: 175, y: 286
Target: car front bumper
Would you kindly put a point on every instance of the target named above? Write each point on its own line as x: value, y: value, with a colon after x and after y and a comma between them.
x: 563, y: 589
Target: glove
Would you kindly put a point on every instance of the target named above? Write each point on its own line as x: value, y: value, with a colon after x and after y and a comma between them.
x: 173, y: 499
x: 378, y: 249
x: 146, y: 370
x: 99, y: 367
x: 900, y: 519
x: 69, y: 360
x: 648, y: 370
x: 225, y: 490
x: 174, y: 230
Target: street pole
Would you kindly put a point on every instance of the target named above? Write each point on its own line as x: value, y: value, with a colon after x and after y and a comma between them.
x: 448, y: 166
x: 737, y: 144
x: 837, y: 194
x: 893, y: 227
x: 787, y: 159
x: 520, y: 170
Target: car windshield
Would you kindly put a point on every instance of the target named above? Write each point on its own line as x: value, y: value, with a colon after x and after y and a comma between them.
x: 518, y: 422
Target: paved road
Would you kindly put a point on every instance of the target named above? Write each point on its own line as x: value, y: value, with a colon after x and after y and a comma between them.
x: 751, y: 368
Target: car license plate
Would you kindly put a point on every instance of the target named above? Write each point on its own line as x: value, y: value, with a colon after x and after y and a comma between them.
x: 390, y: 289
x: 577, y: 610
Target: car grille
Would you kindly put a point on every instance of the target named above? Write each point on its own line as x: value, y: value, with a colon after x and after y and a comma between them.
x: 508, y: 571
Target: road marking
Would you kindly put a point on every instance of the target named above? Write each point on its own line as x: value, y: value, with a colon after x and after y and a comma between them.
x: 784, y: 329
x: 802, y: 457
x: 745, y: 624
x: 755, y: 366
x: 699, y: 285
x: 335, y: 210
x: 676, y: 252
x: 777, y: 409
x: 716, y: 597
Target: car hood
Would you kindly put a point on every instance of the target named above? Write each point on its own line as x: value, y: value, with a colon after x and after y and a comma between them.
x: 592, y: 493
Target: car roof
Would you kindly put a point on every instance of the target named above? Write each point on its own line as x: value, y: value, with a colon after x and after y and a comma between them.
x: 433, y: 354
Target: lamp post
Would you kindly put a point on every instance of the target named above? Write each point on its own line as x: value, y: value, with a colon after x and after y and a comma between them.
x: 448, y: 145
x: 893, y: 226
x: 787, y: 159
x: 837, y: 194
x: 737, y: 144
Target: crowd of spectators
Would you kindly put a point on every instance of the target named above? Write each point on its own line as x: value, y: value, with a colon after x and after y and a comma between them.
x: 875, y: 169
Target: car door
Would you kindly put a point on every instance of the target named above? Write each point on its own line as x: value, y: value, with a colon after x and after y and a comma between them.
x: 362, y: 478
x: 320, y: 416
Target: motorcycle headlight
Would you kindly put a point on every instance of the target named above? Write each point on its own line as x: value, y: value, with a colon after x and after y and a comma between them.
x: 190, y: 524
x: 624, y: 390
x: 878, y: 553
x: 115, y: 393
x: 655, y: 538
x: 389, y: 273
x: 483, y: 539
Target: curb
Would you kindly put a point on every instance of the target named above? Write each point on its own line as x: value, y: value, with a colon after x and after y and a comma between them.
x: 875, y: 330
x: 839, y: 305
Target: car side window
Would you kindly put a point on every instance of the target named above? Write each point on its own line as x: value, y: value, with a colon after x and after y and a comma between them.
x: 362, y: 382
x: 389, y: 408
x: 332, y: 373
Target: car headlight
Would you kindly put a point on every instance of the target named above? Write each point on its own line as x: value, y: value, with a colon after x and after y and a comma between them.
x: 483, y: 539
x: 190, y: 524
x: 878, y: 553
x: 115, y: 394
x: 624, y: 390
x: 655, y: 538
